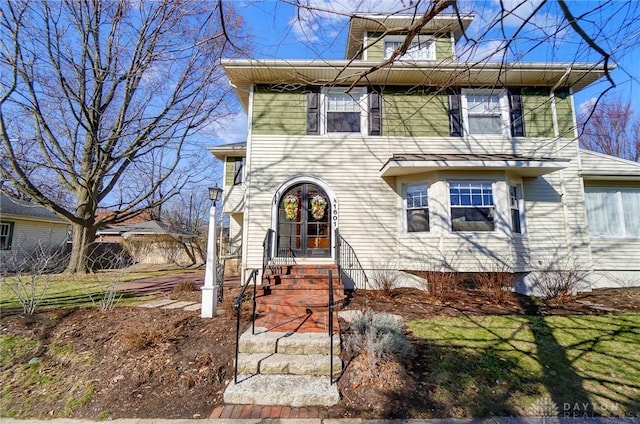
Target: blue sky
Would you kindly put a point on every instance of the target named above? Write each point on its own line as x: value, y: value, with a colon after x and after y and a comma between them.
x: 279, y: 30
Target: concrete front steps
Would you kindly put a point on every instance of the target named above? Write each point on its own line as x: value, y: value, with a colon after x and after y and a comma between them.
x: 286, y: 369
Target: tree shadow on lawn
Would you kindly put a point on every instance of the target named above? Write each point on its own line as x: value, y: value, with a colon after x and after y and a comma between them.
x: 521, y: 368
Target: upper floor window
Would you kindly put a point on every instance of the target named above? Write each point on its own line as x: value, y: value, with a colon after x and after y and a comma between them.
x: 6, y: 233
x: 613, y: 212
x: 485, y: 112
x: 334, y: 110
x: 472, y: 206
x: 417, y: 204
x: 422, y: 47
x: 344, y: 111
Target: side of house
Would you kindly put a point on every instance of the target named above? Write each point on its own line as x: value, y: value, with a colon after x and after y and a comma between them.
x: 28, y: 232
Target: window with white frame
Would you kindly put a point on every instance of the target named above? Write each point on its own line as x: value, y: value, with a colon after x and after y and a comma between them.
x: 344, y: 112
x: 6, y: 232
x: 238, y: 169
x: 485, y: 112
x: 515, y: 204
x: 472, y: 206
x: 613, y: 212
x: 422, y: 47
x: 417, y: 204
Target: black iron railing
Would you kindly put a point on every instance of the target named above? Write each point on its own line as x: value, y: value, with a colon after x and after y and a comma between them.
x: 331, y: 309
x: 349, y: 266
x: 237, y: 306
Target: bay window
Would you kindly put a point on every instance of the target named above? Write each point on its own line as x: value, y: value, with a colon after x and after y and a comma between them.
x: 515, y: 204
x: 613, y: 211
x: 417, y: 206
x: 472, y: 206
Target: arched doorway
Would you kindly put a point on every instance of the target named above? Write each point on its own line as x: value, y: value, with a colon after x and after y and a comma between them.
x: 304, y: 222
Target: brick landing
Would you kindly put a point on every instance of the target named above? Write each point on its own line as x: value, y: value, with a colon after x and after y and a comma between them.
x: 259, y: 411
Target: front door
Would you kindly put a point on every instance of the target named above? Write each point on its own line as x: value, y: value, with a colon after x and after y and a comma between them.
x: 304, y: 222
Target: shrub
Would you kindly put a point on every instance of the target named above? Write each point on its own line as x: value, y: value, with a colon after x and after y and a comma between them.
x: 378, y: 338
x: 441, y: 285
x: 559, y: 281
x: 385, y: 278
x: 495, y: 280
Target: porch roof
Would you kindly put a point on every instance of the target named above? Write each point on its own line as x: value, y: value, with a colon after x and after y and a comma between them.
x: 407, y: 164
x: 243, y: 73
x: 231, y: 149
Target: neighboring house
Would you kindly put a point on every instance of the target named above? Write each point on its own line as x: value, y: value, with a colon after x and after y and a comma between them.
x: 27, y: 231
x: 152, y: 242
x: 427, y: 164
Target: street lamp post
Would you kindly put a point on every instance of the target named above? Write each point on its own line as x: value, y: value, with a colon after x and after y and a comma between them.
x: 210, y: 289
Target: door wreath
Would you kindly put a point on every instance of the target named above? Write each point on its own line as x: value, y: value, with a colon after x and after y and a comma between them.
x: 318, y: 206
x: 291, y: 206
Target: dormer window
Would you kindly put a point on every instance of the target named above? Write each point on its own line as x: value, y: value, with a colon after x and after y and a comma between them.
x: 422, y: 47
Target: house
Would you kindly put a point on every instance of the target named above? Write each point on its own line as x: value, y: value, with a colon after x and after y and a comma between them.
x: 27, y: 232
x: 151, y: 242
x: 429, y: 163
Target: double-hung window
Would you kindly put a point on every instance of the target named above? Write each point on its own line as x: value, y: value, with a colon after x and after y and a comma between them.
x: 486, y: 112
x: 422, y: 47
x: 613, y: 212
x: 238, y: 165
x: 344, y: 111
x: 417, y: 203
x: 6, y: 233
x: 515, y: 204
x: 472, y: 206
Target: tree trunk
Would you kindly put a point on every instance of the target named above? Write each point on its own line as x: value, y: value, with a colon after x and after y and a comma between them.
x: 83, y: 238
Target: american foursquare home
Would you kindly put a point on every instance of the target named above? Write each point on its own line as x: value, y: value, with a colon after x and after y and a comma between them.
x: 429, y: 163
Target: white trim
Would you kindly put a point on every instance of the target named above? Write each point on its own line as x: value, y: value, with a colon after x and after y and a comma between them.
x: 454, y: 56
x: 334, y: 220
x: 361, y: 101
x: 365, y: 52
x: 404, y: 222
x: 505, y: 128
x: 426, y: 41
x: 493, y: 196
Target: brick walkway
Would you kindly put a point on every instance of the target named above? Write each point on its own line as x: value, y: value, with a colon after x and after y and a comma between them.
x: 259, y: 411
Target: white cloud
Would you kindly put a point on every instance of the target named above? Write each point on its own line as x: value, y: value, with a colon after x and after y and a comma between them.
x: 230, y: 129
x: 586, y: 106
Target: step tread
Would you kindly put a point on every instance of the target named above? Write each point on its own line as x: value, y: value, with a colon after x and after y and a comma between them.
x: 290, y: 343
x: 285, y: 390
x: 311, y: 300
x: 281, y: 363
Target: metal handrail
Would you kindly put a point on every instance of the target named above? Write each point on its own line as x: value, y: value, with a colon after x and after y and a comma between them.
x: 237, y: 306
x: 331, y: 309
x: 349, y: 264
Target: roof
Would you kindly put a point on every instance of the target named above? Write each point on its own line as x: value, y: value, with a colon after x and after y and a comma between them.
x: 152, y: 227
x: 359, y: 25
x: 406, y: 164
x: 231, y: 149
x: 599, y: 166
x: 27, y: 210
x: 243, y: 73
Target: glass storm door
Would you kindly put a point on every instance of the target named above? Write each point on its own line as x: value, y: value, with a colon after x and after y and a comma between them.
x: 303, y: 222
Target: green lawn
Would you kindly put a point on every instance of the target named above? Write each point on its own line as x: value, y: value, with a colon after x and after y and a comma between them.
x: 532, y: 365
x: 64, y: 290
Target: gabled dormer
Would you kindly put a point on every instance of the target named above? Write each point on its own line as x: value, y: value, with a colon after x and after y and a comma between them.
x: 376, y: 37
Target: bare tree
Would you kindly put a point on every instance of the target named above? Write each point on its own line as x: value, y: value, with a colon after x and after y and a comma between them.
x: 611, y: 127
x: 90, y: 90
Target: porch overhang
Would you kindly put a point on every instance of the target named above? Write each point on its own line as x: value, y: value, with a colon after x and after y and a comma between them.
x: 409, y: 164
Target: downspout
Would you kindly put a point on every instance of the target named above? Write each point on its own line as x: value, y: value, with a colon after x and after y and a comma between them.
x: 556, y: 133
